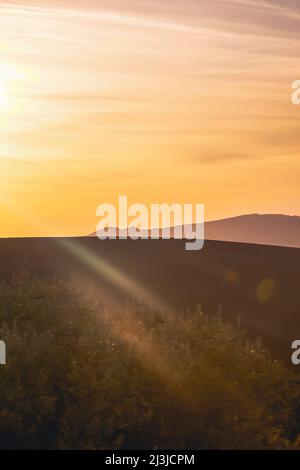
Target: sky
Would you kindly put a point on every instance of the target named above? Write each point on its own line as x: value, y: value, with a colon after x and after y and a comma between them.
x: 164, y: 101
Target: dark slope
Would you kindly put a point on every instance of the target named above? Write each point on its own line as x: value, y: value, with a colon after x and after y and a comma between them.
x: 226, y: 274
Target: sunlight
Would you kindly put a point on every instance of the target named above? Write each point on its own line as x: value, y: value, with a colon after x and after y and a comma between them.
x: 3, y: 94
x: 8, y: 74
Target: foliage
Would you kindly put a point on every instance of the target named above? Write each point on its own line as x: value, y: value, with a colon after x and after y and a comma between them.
x: 82, y: 375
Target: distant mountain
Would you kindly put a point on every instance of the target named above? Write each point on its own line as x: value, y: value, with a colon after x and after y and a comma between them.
x: 265, y: 229
x: 262, y: 229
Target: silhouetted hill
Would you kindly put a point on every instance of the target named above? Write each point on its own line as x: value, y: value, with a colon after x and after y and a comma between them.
x: 265, y: 229
x: 262, y: 229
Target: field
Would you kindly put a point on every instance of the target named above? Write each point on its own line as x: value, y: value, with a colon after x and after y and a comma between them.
x: 108, y: 346
x: 257, y: 284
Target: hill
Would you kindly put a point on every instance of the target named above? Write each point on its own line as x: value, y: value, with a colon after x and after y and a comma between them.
x: 263, y: 229
x: 259, y: 284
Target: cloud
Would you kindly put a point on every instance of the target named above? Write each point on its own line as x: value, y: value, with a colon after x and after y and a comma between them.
x: 163, y: 89
x: 220, y: 157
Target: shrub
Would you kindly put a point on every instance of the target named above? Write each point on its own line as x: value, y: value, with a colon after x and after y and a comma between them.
x: 82, y: 375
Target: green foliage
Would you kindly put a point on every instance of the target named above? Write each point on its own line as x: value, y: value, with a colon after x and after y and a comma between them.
x: 82, y: 375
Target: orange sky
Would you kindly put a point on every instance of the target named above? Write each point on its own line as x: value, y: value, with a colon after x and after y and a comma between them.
x: 161, y: 100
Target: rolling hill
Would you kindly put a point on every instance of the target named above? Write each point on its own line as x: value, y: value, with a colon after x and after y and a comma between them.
x: 256, y: 283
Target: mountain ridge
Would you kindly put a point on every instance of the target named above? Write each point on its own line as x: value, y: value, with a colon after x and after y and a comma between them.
x: 262, y: 229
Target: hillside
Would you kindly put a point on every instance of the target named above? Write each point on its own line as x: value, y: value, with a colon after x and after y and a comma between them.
x: 259, y: 284
x: 263, y: 229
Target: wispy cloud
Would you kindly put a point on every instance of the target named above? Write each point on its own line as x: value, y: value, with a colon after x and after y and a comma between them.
x: 152, y: 88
